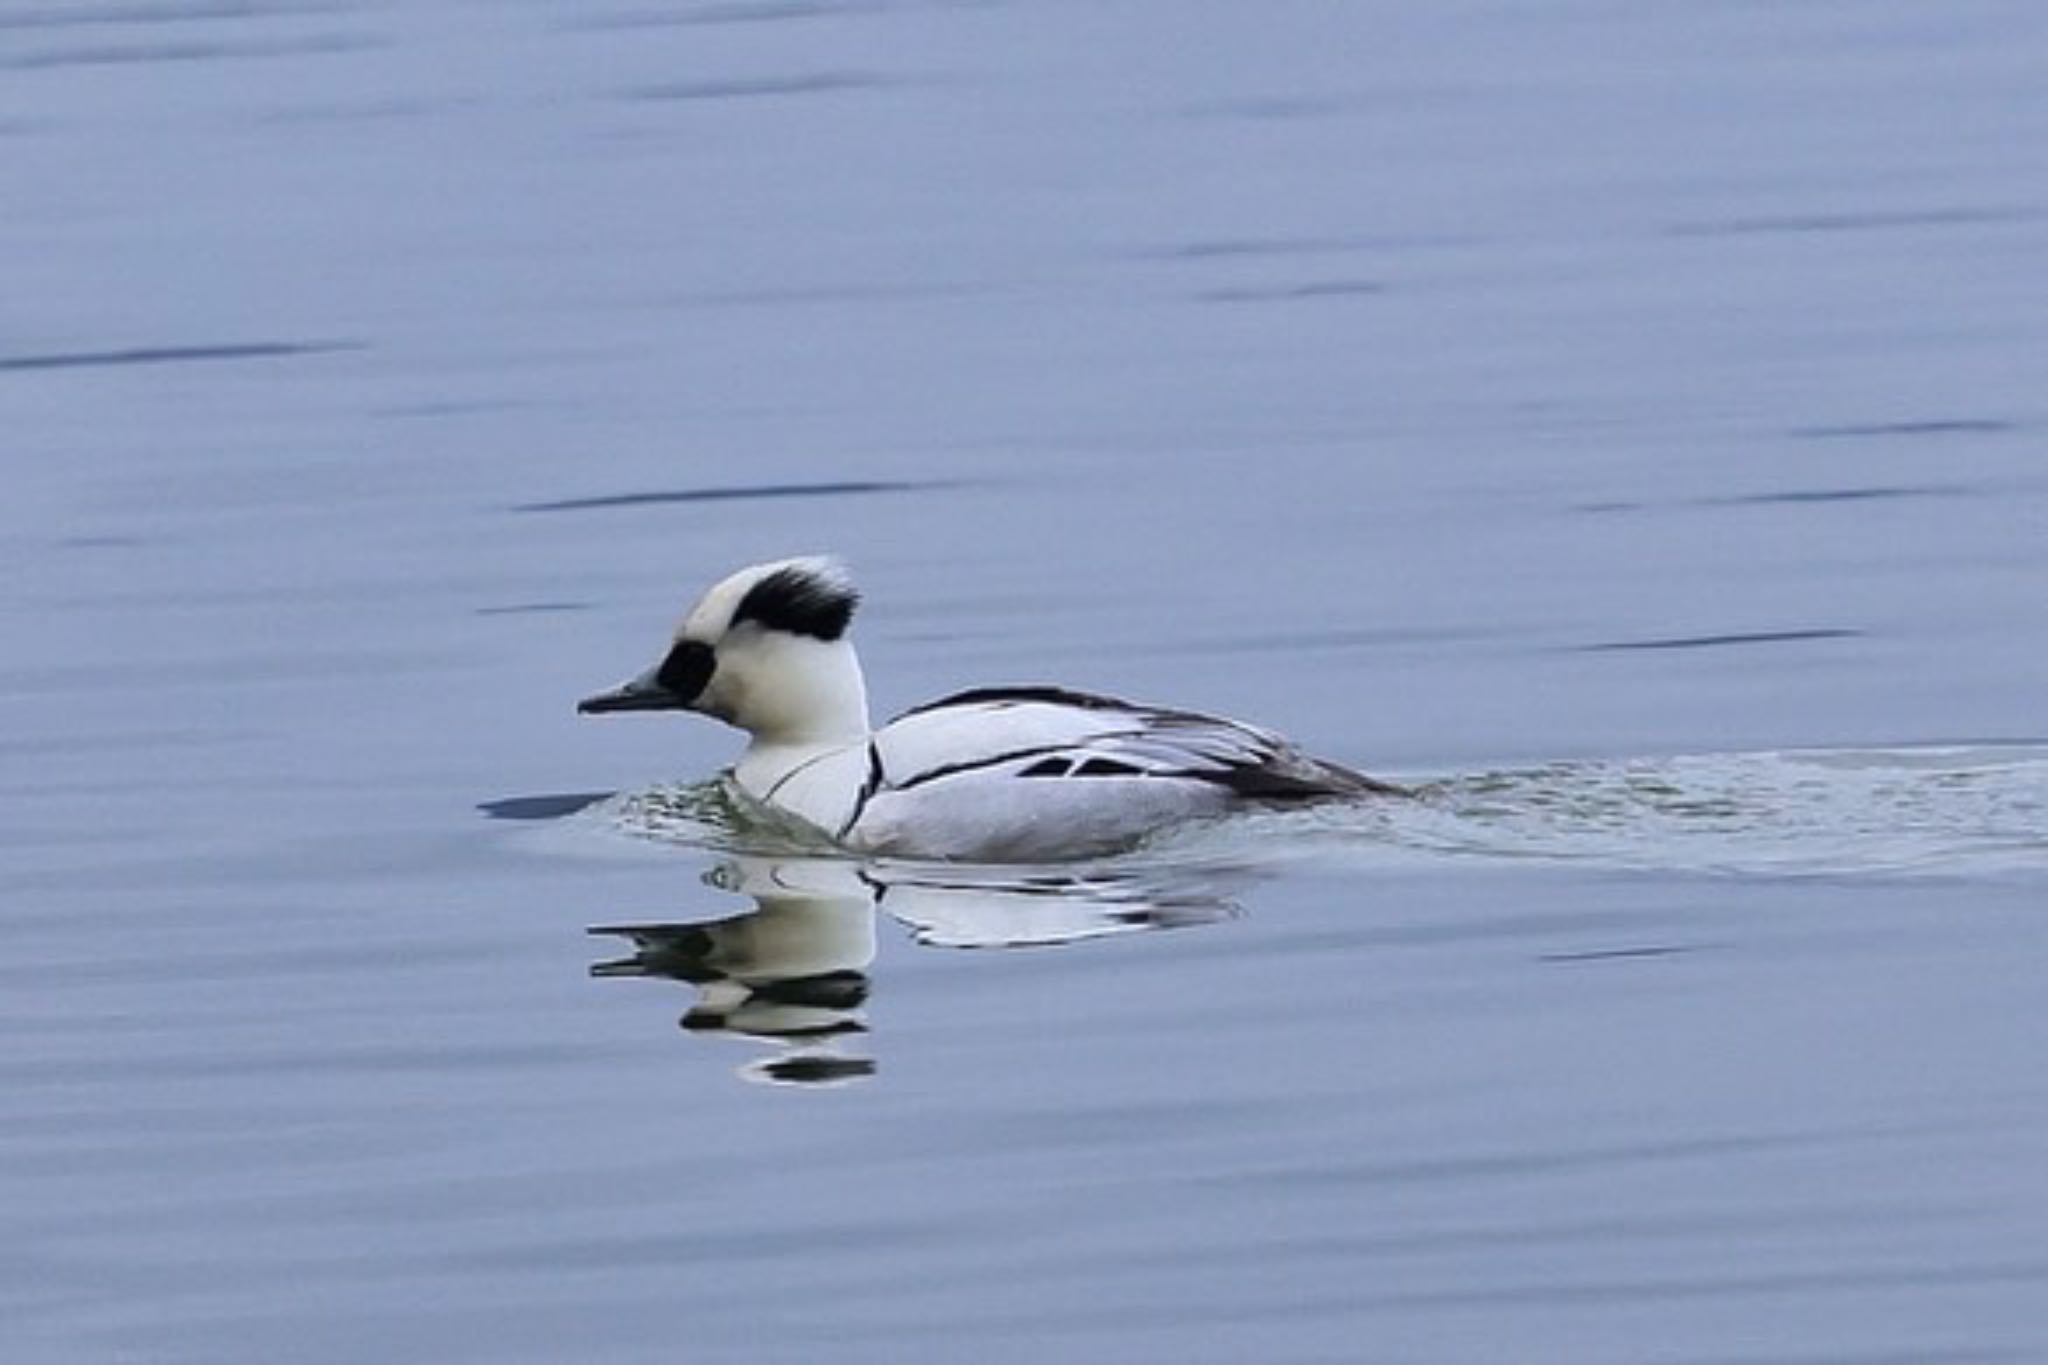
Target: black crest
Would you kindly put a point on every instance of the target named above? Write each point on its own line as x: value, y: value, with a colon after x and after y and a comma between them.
x: 801, y: 600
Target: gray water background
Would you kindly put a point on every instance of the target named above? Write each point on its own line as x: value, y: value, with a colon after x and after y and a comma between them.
x: 1580, y: 404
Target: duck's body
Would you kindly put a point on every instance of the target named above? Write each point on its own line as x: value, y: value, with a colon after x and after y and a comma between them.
x: 1020, y: 774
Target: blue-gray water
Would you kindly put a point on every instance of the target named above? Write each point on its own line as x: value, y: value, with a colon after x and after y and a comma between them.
x: 1627, y: 419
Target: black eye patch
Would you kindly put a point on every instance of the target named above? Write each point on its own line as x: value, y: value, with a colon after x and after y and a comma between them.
x: 686, y: 669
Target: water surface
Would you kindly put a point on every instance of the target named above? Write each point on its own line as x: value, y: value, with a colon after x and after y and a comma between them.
x: 1624, y: 420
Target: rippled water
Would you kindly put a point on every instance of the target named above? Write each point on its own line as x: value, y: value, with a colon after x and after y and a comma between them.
x: 1622, y: 422
x: 1940, y: 809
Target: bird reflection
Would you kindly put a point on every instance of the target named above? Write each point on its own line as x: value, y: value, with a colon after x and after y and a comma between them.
x: 793, y: 971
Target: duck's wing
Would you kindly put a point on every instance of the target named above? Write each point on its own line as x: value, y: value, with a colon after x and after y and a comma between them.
x: 1051, y: 733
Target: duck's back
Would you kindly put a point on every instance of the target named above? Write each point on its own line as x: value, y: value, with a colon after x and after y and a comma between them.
x: 1037, y: 772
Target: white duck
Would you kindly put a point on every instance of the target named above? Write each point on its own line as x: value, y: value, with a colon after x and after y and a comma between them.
x: 1006, y: 773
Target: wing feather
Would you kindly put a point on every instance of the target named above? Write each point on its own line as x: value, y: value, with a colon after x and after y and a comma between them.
x: 1042, y: 733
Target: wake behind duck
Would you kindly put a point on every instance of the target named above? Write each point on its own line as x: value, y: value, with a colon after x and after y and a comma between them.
x: 996, y: 774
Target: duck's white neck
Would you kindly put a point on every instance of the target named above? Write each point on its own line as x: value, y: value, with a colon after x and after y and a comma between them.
x: 806, y: 716
x: 800, y: 694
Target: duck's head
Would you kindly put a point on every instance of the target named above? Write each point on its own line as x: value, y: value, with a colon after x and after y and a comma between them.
x: 765, y: 650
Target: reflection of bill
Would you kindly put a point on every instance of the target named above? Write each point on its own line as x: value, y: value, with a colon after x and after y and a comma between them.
x: 793, y: 970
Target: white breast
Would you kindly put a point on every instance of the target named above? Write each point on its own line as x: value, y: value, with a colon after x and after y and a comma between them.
x: 820, y: 785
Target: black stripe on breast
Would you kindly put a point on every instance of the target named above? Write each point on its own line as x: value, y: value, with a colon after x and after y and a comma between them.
x: 868, y: 788
x: 768, y: 797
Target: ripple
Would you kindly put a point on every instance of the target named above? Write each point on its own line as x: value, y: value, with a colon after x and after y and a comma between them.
x: 1312, y: 289
x: 75, y: 15
x: 743, y: 493
x: 809, y: 83
x: 1745, y: 637
x: 714, y: 815
x: 149, y: 53
x: 172, y: 355
x: 1937, y: 809
x: 1853, y: 221
x: 736, y: 12
x: 533, y: 608
x: 1929, y: 426
x: 547, y: 806
x: 1805, y: 496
